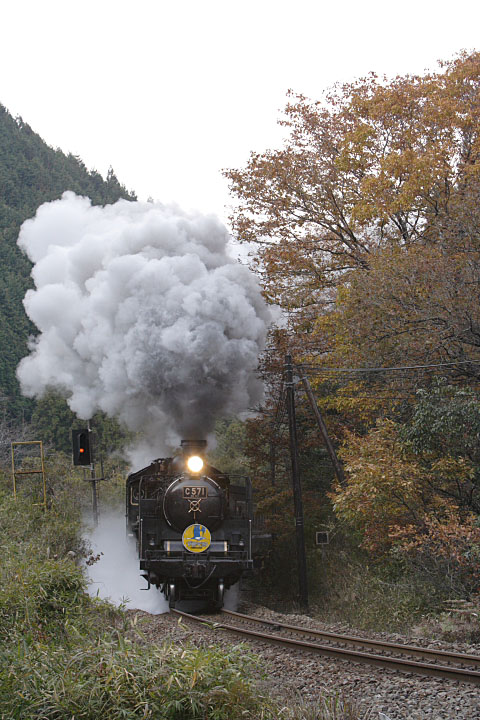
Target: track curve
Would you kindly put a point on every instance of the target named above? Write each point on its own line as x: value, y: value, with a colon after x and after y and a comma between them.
x: 399, y: 657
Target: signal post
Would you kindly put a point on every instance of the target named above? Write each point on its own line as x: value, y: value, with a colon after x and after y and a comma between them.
x: 82, y: 447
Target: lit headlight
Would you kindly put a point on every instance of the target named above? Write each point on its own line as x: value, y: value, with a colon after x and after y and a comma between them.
x: 195, y: 463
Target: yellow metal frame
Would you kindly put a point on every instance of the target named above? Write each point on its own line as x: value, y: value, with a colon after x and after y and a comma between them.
x: 29, y: 472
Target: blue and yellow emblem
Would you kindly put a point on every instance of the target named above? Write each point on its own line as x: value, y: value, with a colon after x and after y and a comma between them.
x: 196, y: 538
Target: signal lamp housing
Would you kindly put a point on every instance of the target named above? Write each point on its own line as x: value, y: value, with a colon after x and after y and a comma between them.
x: 81, y: 447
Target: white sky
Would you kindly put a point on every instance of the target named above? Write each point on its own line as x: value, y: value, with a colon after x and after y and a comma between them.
x: 169, y: 93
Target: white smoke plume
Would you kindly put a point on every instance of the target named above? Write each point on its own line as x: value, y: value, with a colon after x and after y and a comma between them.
x: 142, y: 314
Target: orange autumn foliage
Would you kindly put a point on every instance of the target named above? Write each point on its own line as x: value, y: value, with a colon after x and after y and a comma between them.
x: 391, y: 488
x: 374, y: 164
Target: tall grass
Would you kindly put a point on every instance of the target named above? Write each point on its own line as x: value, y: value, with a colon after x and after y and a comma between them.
x: 352, y: 588
x: 115, y: 678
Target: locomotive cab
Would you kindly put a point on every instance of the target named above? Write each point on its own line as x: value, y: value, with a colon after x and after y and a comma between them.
x: 193, y: 526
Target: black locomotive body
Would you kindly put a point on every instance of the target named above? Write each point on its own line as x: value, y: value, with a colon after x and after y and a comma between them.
x: 193, y: 526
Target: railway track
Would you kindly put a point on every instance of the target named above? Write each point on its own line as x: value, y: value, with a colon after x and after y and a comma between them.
x: 404, y: 658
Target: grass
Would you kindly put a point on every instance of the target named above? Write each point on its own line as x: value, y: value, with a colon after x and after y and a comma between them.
x: 65, y: 656
x: 381, y: 596
x: 114, y: 678
x: 451, y: 627
x: 325, y: 708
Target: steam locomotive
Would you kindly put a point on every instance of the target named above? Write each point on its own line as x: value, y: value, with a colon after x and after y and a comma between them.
x: 193, y: 525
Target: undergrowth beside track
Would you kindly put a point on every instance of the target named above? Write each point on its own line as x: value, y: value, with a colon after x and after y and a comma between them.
x: 347, y: 587
x: 64, y: 655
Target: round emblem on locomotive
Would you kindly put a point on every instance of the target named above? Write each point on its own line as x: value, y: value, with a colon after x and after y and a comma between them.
x: 196, y: 538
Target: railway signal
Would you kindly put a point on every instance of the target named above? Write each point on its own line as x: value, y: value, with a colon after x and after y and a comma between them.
x: 82, y: 452
x: 82, y: 448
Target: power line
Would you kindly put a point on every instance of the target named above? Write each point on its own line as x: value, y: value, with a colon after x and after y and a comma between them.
x: 317, y: 369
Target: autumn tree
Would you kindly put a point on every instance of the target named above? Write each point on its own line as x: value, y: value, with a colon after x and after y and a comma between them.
x: 366, y: 225
x: 376, y: 164
x: 415, y: 305
x: 414, y: 489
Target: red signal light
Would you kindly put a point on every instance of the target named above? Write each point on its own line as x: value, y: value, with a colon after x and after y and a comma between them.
x: 82, y: 450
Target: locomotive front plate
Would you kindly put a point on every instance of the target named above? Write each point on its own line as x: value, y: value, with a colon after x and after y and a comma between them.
x: 196, y: 538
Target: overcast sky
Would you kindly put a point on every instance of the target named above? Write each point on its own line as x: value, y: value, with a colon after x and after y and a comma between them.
x: 169, y: 93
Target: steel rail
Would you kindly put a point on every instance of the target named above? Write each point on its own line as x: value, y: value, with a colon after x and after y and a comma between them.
x: 384, y: 661
x: 413, y: 650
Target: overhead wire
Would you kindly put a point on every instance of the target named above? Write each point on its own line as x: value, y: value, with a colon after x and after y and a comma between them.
x: 316, y: 368
x: 278, y: 424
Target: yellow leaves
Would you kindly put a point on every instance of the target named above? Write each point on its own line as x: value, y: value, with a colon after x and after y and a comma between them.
x: 413, y: 306
x: 384, y: 484
x: 397, y: 497
x: 372, y: 165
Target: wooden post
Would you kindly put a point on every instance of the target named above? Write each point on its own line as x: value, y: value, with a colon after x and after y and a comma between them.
x: 297, y: 490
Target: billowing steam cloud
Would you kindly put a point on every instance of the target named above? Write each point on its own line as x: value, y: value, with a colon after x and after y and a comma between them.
x: 142, y: 314
x: 115, y: 575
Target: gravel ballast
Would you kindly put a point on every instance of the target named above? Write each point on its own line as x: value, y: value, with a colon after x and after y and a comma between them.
x: 291, y: 674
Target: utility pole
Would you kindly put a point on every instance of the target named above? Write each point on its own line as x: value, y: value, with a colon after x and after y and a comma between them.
x: 297, y: 489
x: 273, y: 461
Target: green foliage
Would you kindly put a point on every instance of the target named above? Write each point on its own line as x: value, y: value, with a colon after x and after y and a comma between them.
x: 53, y: 421
x: 39, y: 597
x: 445, y: 420
x: 229, y: 456
x: 64, y: 655
x: 60, y: 657
x: 29, y: 528
x: 41, y: 587
x: 353, y: 588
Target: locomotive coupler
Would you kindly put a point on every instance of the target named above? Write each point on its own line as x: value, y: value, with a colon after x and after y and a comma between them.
x: 197, y: 570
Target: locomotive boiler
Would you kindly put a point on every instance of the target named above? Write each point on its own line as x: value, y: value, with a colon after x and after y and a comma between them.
x: 193, y: 525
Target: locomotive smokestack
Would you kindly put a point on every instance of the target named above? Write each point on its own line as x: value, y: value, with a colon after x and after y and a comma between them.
x: 193, y: 447
x: 193, y: 452
x: 141, y: 314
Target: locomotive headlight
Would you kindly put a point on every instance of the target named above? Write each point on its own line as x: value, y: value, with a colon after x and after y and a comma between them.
x: 195, y: 463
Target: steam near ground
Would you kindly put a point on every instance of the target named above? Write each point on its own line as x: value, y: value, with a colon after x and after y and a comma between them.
x: 232, y: 597
x: 116, y: 575
x: 142, y: 314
